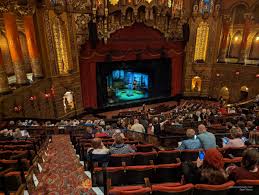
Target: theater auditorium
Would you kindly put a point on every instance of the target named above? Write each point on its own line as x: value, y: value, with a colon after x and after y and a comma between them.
x: 129, y: 97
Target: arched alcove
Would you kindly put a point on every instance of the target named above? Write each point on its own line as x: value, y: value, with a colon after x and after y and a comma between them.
x: 254, y: 52
x: 244, y: 92
x: 6, y: 55
x: 196, y: 84
x: 235, y: 45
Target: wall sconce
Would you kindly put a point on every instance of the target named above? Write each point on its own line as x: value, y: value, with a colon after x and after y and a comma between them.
x: 217, y: 74
x: 237, y: 72
x: 257, y: 76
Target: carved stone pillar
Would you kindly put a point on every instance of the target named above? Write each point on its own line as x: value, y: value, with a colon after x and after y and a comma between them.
x: 15, y: 48
x: 225, y: 33
x: 4, y: 87
x: 247, y: 27
x: 32, y: 47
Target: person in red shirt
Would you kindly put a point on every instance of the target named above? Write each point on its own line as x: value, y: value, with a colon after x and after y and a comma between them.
x: 249, y: 167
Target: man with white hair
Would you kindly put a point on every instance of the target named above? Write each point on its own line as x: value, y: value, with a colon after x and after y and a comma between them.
x: 137, y: 127
x: 207, y: 139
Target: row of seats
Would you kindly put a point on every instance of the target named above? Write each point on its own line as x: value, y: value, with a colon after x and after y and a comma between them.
x: 16, y: 165
x: 160, y: 157
x: 241, y: 187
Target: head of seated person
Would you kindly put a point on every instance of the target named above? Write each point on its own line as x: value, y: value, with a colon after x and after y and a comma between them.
x: 207, y: 171
x: 212, y: 168
x: 249, y: 166
x: 191, y: 143
x: 119, y: 147
x: 88, y: 133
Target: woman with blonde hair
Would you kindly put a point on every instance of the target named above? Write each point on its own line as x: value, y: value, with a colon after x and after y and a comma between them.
x: 236, y: 141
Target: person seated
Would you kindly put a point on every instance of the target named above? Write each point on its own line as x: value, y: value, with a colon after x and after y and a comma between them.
x: 118, y: 147
x: 236, y: 141
x: 191, y: 143
x: 98, y: 153
x: 207, y: 139
x: 208, y: 171
x: 249, y: 166
x: 17, y: 133
x: 88, y: 133
x: 137, y: 127
x: 118, y: 132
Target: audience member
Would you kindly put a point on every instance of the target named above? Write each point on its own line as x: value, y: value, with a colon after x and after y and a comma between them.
x: 137, y: 127
x: 98, y: 153
x: 208, y: 171
x: 206, y: 138
x: 191, y: 143
x: 236, y: 141
x: 249, y: 167
x: 118, y: 147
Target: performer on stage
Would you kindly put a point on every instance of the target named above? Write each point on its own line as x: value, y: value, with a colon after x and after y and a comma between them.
x: 135, y: 84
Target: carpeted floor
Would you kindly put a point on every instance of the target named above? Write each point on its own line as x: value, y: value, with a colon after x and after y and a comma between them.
x: 62, y: 172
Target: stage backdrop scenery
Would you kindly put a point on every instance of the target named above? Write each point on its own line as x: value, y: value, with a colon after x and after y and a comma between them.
x: 127, y: 68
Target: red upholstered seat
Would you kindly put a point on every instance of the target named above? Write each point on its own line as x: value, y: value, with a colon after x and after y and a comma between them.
x: 167, y: 173
x: 120, y: 159
x: 189, y: 155
x: 167, y: 156
x: 145, y: 158
x: 130, y: 190
x: 139, y: 174
x: 236, y: 152
x: 174, y: 189
x: 232, y: 161
x: 205, y: 189
x: 145, y: 147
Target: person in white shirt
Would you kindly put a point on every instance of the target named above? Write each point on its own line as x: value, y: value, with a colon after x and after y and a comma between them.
x: 137, y: 127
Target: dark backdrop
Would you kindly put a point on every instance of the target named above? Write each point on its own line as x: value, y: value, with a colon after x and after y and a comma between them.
x: 158, y: 70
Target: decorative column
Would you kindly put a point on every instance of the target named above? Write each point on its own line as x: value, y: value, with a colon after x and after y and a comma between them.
x: 225, y: 33
x: 15, y: 48
x: 247, y: 27
x: 32, y: 46
x: 4, y: 87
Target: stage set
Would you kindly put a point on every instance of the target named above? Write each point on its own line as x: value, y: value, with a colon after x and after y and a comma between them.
x: 137, y: 65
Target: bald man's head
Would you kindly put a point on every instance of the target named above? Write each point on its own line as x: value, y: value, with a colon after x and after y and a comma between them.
x: 202, y: 128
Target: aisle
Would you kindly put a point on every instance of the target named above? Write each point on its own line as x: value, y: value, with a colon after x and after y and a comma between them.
x: 62, y: 172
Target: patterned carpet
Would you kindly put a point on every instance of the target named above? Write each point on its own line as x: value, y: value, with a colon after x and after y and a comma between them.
x: 62, y: 172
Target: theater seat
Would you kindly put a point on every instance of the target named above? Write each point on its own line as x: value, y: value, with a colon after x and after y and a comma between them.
x: 139, y: 174
x: 205, y: 189
x: 167, y: 173
x: 232, y: 161
x: 145, y: 158
x: 235, y: 152
x: 130, y: 190
x: 145, y: 147
x: 248, y: 187
x: 189, y: 155
x: 167, y: 156
x: 173, y: 189
x: 115, y: 176
x: 117, y: 160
